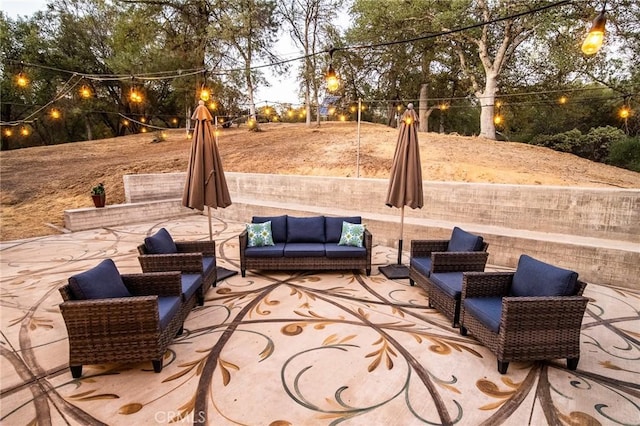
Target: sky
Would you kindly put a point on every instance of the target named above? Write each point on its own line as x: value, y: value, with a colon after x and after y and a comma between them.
x: 283, y: 88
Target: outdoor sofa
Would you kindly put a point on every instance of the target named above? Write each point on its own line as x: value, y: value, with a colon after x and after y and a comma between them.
x: 306, y: 243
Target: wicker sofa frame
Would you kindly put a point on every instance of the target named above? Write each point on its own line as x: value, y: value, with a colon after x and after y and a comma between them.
x: 443, y: 261
x: 305, y: 263
x: 122, y: 330
x: 531, y: 328
x: 187, y: 260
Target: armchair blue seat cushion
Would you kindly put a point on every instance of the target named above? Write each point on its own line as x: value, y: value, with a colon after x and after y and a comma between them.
x: 421, y: 264
x: 333, y: 226
x: 488, y: 310
x: 335, y: 251
x: 464, y: 241
x: 276, y: 250
x: 190, y: 284
x: 168, y: 307
x: 160, y: 243
x: 449, y: 282
x: 536, y: 278
x: 100, y: 282
x: 208, y: 264
x: 278, y: 226
x: 305, y: 230
x: 304, y: 250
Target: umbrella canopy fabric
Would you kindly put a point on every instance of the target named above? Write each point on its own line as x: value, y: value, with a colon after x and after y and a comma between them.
x: 405, y: 184
x: 205, y: 184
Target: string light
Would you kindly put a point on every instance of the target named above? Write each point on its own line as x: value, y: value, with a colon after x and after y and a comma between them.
x: 205, y: 94
x: 624, y: 112
x: 85, y: 92
x: 135, y: 96
x: 8, y: 132
x: 24, y: 131
x: 497, y: 120
x: 562, y: 100
x: 213, y: 106
x: 55, y: 113
x: 333, y: 83
x: 22, y: 80
x: 593, y: 42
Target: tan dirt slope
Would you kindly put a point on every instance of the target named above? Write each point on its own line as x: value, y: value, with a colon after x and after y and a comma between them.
x: 38, y: 184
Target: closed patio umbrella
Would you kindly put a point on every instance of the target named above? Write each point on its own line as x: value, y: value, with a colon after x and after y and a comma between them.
x: 205, y: 184
x: 405, y: 182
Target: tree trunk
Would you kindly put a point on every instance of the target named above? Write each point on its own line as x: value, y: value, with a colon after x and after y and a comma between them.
x: 423, y: 126
x: 487, y: 100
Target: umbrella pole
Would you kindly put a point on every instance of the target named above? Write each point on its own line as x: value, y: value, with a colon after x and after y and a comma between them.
x: 210, y: 230
x: 396, y: 271
x: 401, y: 233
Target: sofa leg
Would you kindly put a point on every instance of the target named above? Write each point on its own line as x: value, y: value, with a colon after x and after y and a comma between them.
x: 463, y: 331
x: 368, y: 272
x: 243, y: 272
x: 572, y: 363
x: 157, y: 365
x: 76, y: 371
x: 502, y: 366
x: 411, y: 282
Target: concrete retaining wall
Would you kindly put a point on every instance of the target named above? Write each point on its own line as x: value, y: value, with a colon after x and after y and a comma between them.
x: 591, y: 230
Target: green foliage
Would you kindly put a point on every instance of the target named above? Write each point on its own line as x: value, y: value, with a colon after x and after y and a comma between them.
x: 98, y: 189
x: 596, y: 145
x: 625, y: 153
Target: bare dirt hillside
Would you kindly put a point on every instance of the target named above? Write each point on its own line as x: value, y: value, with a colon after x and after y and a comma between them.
x: 38, y: 184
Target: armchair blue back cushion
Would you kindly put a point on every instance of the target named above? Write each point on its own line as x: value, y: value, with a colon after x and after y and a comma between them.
x: 333, y: 227
x: 278, y: 226
x: 464, y: 241
x: 536, y: 278
x: 305, y: 229
x: 100, y: 282
x: 160, y: 243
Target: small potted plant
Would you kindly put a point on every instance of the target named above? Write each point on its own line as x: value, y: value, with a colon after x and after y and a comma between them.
x: 98, y: 194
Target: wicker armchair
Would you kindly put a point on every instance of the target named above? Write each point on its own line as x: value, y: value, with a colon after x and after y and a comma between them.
x: 136, y: 328
x: 439, y: 273
x: 521, y: 328
x: 190, y: 257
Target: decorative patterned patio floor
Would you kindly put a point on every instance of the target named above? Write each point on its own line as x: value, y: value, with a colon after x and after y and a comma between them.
x: 298, y: 349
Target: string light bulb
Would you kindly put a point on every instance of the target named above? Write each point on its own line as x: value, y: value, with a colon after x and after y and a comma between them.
x: 22, y: 80
x: 85, y: 92
x: 135, y: 96
x: 563, y: 100
x: 8, y: 132
x: 55, y: 114
x: 205, y: 94
x: 593, y: 42
x: 497, y: 120
x: 624, y: 112
x: 24, y: 131
x: 213, y: 106
x: 333, y: 83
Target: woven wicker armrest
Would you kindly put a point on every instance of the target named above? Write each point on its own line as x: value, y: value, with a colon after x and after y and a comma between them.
x: 368, y: 239
x: 486, y: 284
x: 552, y: 312
x: 449, y: 261
x: 183, y: 262
x: 244, y: 240
x: 424, y: 248
x: 154, y: 283
x: 207, y: 248
x: 99, y: 316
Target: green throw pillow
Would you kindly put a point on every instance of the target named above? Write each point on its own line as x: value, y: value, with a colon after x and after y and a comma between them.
x: 352, y: 234
x: 259, y: 234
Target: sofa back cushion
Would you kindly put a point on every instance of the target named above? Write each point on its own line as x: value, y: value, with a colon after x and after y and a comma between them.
x: 333, y: 227
x: 305, y: 229
x: 536, y: 278
x: 278, y: 226
x: 100, y: 282
x: 464, y: 241
x: 160, y: 243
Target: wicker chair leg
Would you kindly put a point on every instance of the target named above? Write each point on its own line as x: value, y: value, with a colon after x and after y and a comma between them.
x: 502, y: 366
x: 368, y: 272
x: 76, y: 371
x: 157, y: 365
x: 243, y: 272
x: 572, y: 363
x: 463, y: 331
x: 411, y: 282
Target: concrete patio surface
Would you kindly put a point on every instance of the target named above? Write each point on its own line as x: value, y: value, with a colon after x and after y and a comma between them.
x: 297, y: 348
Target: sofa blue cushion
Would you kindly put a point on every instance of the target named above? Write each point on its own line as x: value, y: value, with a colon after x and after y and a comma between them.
x: 160, y: 243
x: 449, y: 282
x: 278, y: 226
x: 304, y: 250
x: 305, y: 229
x: 464, y: 241
x: 334, y: 251
x: 100, y: 282
x: 536, y: 278
x: 208, y: 264
x: 421, y: 264
x: 276, y: 250
x: 333, y: 227
x: 487, y: 310
x: 168, y: 307
x: 190, y: 284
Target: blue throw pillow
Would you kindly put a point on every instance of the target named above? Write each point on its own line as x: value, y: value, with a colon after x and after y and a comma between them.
x: 305, y: 229
x: 160, y: 243
x: 352, y: 235
x: 278, y: 226
x: 259, y: 234
x: 333, y: 227
x: 536, y: 278
x: 100, y: 282
x: 464, y: 241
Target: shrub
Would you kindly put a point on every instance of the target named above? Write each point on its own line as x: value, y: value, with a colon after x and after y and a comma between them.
x: 625, y: 153
x: 563, y: 142
x: 596, y: 144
